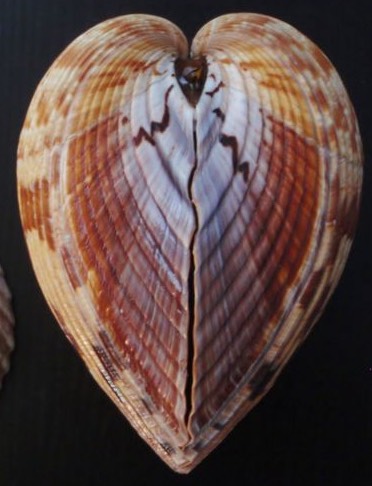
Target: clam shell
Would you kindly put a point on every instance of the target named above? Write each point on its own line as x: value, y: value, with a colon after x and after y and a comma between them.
x: 6, y: 327
x: 187, y: 247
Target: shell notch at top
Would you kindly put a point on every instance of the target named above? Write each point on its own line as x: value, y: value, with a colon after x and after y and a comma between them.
x: 188, y: 220
x: 191, y: 75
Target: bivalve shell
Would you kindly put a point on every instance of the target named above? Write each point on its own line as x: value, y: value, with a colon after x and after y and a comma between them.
x: 6, y: 327
x: 189, y: 212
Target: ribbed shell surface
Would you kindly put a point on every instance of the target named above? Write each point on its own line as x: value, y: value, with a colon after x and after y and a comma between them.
x: 187, y: 250
x: 6, y: 327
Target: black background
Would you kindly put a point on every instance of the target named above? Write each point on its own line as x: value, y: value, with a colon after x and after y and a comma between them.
x: 56, y: 426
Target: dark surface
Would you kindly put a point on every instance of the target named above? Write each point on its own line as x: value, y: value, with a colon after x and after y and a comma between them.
x: 56, y: 426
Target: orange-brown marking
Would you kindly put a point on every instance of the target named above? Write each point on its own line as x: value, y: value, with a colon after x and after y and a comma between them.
x: 43, y: 111
x: 34, y: 204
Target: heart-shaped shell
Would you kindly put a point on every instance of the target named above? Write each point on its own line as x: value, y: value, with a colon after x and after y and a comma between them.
x: 6, y: 327
x: 188, y: 243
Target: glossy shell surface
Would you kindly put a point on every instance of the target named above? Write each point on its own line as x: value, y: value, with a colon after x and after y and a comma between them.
x: 6, y: 327
x: 187, y: 248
